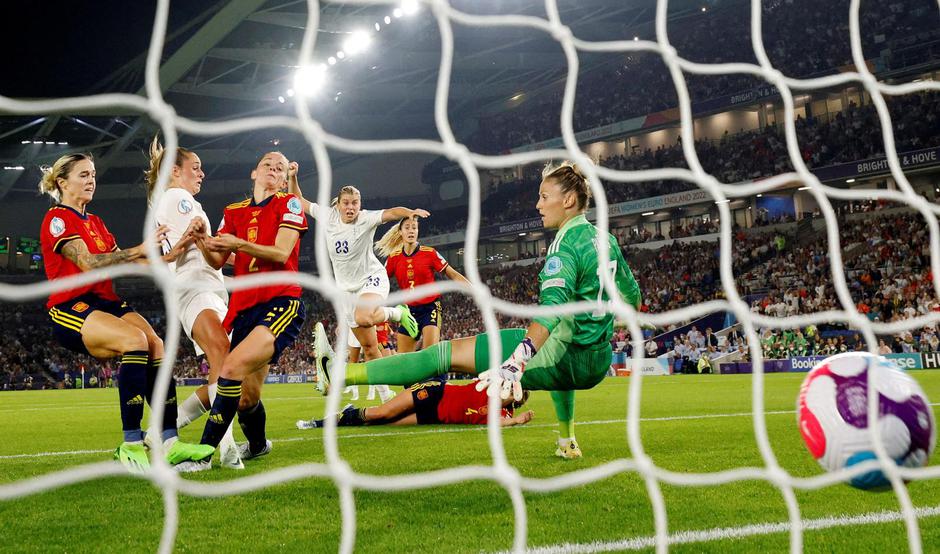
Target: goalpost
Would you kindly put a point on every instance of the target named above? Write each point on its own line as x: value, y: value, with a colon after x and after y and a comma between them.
x: 501, y: 471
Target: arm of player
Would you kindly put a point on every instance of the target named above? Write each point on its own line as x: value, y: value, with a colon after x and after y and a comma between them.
x: 455, y: 275
x: 293, y: 187
x: 626, y: 283
x: 394, y: 214
x: 77, y: 252
x: 215, y: 259
x: 520, y: 419
x: 195, y: 227
x: 278, y: 253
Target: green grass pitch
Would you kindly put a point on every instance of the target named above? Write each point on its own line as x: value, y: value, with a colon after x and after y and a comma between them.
x: 123, y: 514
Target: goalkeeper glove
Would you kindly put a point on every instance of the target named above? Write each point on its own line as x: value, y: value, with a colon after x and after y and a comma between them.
x: 509, y: 375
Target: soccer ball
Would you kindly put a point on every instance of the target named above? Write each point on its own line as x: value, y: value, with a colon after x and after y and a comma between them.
x: 832, y: 411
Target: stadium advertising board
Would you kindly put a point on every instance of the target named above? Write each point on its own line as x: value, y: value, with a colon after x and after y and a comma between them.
x: 805, y: 363
x: 624, y: 365
x: 905, y: 360
x: 597, y: 133
x: 876, y: 166
x: 902, y: 361
x: 282, y: 379
x: 270, y: 380
x: 930, y: 360
x: 770, y: 366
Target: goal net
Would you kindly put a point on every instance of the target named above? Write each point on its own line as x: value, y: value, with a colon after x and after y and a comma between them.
x: 501, y: 471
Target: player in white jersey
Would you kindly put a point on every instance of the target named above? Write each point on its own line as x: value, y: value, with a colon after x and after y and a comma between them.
x: 350, y: 234
x: 201, y: 310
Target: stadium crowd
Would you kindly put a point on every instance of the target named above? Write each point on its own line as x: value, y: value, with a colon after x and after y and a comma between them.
x: 850, y: 135
x: 886, y: 257
x: 801, y: 37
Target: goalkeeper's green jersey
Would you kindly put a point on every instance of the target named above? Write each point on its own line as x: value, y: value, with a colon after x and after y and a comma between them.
x: 571, y: 274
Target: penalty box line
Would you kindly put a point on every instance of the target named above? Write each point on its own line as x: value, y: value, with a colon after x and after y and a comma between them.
x: 731, y: 533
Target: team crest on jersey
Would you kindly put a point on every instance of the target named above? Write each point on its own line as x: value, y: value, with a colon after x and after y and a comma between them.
x: 56, y: 226
x: 252, y: 234
x: 553, y: 266
x: 422, y: 394
x: 294, y: 206
x: 185, y: 206
x: 80, y: 307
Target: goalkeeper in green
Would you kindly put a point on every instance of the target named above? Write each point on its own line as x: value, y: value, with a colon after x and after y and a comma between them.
x: 559, y: 354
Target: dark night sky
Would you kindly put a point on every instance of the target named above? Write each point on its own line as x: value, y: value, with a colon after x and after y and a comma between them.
x: 59, y: 48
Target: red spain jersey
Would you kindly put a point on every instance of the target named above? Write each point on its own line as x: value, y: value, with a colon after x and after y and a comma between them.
x: 61, y: 225
x: 463, y: 404
x: 381, y: 333
x: 415, y: 269
x: 259, y: 223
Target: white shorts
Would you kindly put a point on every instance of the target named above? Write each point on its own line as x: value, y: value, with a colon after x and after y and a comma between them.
x: 193, y: 302
x: 353, y: 342
x: 375, y: 284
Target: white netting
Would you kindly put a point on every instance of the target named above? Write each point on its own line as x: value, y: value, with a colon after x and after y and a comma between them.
x: 345, y: 479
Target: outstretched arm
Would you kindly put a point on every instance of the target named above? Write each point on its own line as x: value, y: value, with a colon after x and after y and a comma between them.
x: 520, y: 419
x: 394, y: 214
x: 77, y: 252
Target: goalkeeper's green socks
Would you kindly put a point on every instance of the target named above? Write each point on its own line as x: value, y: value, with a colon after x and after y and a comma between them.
x: 412, y: 367
x: 402, y: 369
x: 564, y: 410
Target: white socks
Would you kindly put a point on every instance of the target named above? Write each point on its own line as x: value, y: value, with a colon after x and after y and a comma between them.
x: 385, y: 393
x: 189, y: 411
x: 392, y: 314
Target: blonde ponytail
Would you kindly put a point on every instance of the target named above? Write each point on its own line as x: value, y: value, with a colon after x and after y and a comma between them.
x: 156, y: 158
x: 391, y: 241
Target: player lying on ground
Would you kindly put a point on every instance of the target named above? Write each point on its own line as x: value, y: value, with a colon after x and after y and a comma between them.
x: 200, y: 311
x: 556, y: 353
x: 429, y: 403
x: 92, y: 319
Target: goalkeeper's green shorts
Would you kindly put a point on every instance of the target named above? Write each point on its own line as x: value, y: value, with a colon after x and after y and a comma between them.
x: 558, y: 365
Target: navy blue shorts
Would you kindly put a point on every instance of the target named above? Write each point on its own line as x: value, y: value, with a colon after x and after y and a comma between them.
x: 68, y: 318
x: 426, y: 315
x: 427, y: 395
x: 283, y: 315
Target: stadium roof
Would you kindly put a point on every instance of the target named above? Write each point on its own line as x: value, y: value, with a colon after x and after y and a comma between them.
x: 228, y: 59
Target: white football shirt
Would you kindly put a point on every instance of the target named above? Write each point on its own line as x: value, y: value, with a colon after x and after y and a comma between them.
x: 176, y: 209
x: 351, y: 246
